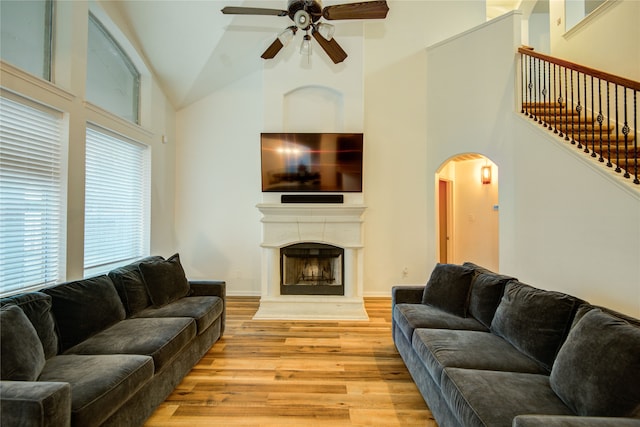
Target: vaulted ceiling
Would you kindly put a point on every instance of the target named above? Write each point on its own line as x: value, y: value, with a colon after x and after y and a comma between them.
x: 194, y: 49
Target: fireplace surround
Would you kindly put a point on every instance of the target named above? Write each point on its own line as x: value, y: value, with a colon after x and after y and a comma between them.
x: 334, y: 227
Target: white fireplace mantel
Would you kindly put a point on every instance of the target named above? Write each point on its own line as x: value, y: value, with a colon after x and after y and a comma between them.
x: 334, y: 224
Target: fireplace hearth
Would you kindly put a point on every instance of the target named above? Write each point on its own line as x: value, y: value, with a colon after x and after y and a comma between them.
x: 311, y: 269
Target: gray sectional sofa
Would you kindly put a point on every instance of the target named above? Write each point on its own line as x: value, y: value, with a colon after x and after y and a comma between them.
x: 107, y: 350
x: 487, y: 350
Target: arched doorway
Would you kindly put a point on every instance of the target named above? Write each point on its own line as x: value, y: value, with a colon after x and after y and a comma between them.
x: 467, y: 211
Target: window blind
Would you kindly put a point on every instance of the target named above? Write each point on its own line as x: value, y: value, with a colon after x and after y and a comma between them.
x: 31, y: 214
x: 116, y: 201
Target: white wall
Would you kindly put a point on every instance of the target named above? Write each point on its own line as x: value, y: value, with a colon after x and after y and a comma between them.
x: 609, y: 40
x: 565, y: 223
x: 217, y: 224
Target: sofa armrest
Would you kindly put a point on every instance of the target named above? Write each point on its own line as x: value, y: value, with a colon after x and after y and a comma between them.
x: 35, y: 403
x: 572, y: 421
x: 205, y: 288
x: 213, y: 288
x: 406, y: 294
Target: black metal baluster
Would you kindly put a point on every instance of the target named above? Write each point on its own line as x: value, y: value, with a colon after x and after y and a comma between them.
x: 522, y: 83
x: 539, y: 91
x: 600, y: 118
x: 609, y: 164
x: 586, y: 125
x: 530, y: 86
x: 562, y: 106
x: 636, y: 153
x: 573, y: 119
x: 617, y: 142
x: 557, y: 103
x: 593, y: 121
x: 579, y: 111
x: 625, y: 132
x: 566, y: 109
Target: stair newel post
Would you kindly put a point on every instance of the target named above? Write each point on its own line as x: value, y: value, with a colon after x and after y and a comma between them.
x: 636, y: 152
x: 566, y: 108
x: 618, y: 169
x: 600, y: 118
x: 625, y: 132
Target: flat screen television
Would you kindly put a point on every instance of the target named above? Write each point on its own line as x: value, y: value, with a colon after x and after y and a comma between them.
x: 311, y: 162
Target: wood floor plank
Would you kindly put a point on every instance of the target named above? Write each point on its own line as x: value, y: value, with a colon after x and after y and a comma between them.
x: 267, y: 373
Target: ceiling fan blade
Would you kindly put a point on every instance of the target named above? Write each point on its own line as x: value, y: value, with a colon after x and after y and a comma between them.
x: 331, y: 47
x: 233, y: 10
x: 362, y: 10
x: 273, y: 49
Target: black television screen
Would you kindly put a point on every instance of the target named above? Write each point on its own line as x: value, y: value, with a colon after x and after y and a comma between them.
x: 310, y: 162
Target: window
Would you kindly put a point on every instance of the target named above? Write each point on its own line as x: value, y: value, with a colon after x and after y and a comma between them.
x: 31, y: 212
x: 113, y: 83
x: 116, y: 201
x: 26, y: 35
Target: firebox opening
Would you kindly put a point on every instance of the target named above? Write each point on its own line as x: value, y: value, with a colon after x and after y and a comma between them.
x: 311, y: 269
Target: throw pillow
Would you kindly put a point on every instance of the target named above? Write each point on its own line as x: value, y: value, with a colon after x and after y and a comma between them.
x: 131, y: 287
x: 165, y: 280
x: 486, y: 293
x: 534, y: 321
x: 597, y: 370
x: 448, y: 288
x: 22, y: 354
x: 37, y: 308
x: 84, y: 308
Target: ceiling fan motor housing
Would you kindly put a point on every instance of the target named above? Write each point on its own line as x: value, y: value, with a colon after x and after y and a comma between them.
x: 304, y: 12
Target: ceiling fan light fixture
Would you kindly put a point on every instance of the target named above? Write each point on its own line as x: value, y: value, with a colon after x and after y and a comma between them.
x: 287, y: 35
x: 305, y: 47
x: 302, y: 19
x: 326, y: 30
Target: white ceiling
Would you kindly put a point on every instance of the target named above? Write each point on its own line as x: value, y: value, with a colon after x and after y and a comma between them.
x: 194, y: 49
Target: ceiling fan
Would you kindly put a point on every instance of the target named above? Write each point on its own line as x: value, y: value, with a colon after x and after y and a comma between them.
x: 306, y: 15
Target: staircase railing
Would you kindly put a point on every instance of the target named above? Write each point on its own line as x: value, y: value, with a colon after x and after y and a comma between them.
x: 594, y: 110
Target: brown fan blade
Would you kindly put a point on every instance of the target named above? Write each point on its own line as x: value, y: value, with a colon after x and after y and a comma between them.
x: 362, y: 10
x: 232, y: 10
x: 332, y: 48
x: 272, y: 50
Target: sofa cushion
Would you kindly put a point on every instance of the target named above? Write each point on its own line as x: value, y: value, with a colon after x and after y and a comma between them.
x: 597, y: 370
x: 100, y: 384
x: 409, y: 317
x: 37, y: 307
x: 494, y: 398
x: 83, y: 308
x: 204, y: 310
x: 162, y: 339
x: 165, y: 280
x: 131, y: 287
x: 448, y: 288
x: 485, y: 295
x: 441, y: 348
x: 22, y: 356
x: 534, y: 321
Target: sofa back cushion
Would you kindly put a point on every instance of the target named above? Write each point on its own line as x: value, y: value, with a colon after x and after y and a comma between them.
x: 597, y: 370
x: 22, y: 354
x: 486, y: 292
x: 165, y: 280
x: 534, y: 321
x: 448, y: 288
x: 130, y: 286
x: 37, y: 307
x: 84, y: 308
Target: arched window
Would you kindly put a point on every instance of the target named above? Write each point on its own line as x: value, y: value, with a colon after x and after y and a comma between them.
x: 113, y: 82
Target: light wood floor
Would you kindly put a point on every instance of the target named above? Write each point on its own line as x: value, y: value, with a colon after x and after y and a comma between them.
x: 298, y: 373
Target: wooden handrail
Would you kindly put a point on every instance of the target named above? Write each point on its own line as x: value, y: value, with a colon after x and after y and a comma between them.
x: 631, y: 84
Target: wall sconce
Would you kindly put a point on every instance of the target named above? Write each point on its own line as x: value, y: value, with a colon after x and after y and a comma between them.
x: 485, y: 174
